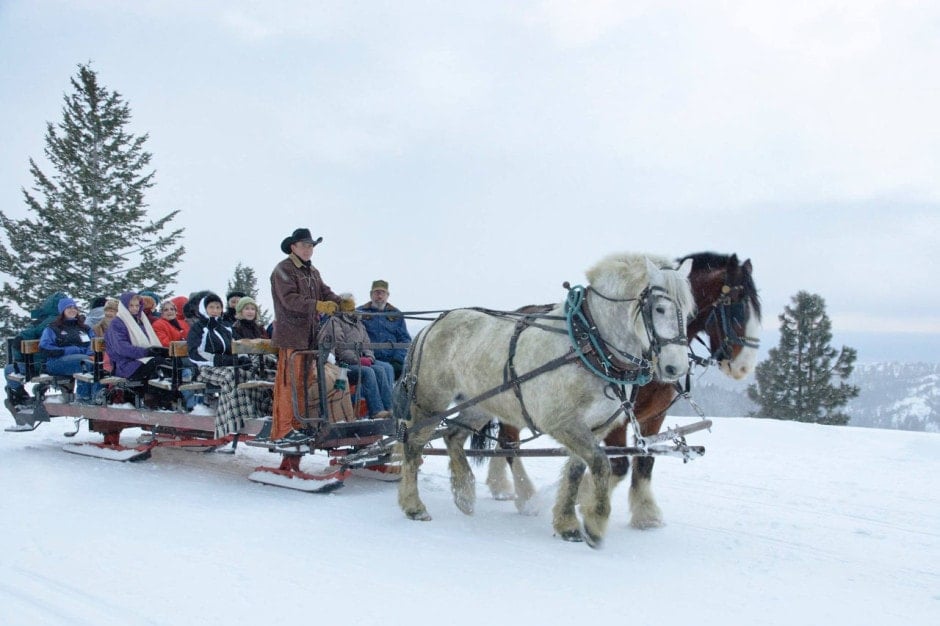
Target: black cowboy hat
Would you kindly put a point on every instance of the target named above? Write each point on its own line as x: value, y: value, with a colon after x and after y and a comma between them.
x: 298, y: 236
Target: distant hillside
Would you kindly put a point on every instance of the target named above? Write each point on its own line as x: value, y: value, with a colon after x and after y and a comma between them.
x: 902, y: 396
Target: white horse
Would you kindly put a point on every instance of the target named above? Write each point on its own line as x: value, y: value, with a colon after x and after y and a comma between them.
x: 572, y: 376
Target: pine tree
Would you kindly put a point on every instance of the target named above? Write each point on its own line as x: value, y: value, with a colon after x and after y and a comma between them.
x: 796, y: 381
x: 90, y: 234
x: 244, y: 280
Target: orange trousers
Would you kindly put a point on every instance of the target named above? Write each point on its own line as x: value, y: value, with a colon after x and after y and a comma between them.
x: 290, y: 380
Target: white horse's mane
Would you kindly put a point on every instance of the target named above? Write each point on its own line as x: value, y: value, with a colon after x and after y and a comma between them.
x: 624, y: 275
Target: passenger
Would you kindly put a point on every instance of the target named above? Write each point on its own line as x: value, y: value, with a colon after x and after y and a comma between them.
x: 149, y: 305
x: 191, y: 308
x: 135, y: 351
x: 375, y: 378
x: 42, y: 316
x: 110, y: 312
x: 172, y: 327
x: 169, y: 327
x: 66, y: 344
x: 247, y: 325
x: 231, y: 315
x: 388, y: 326
x: 299, y: 295
x: 210, y: 348
x: 95, y: 312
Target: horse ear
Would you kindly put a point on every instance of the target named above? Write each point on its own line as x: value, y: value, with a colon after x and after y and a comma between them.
x: 686, y: 268
x: 652, y: 270
x: 747, y: 267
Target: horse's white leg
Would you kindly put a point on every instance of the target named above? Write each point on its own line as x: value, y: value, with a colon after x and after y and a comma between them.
x: 497, y: 479
x: 408, y: 498
x: 462, y: 482
x: 525, y: 490
x: 564, y: 519
x: 645, y: 513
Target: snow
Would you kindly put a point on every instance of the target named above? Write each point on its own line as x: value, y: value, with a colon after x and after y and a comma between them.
x: 779, y: 523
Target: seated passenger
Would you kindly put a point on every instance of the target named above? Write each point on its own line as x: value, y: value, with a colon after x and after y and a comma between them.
x: 110, y: 312
x: 66, y: 343
x: 231, y: 315
x: 375, y: 378
x: 95, y: 312
x: 42, y: 316
x: 210, y: 348
x: 149, y: 304
x: 246, y: 324
x: 171, y: 326
x: 135, y: 351
x: 386, y: 327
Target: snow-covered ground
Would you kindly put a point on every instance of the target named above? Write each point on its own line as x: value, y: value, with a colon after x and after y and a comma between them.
x: 779, y: 523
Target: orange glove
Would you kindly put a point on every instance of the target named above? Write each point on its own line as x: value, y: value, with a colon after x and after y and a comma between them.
x: 327, y: 307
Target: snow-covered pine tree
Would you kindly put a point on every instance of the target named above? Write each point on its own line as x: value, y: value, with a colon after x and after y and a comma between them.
x: 89, y: 234
x: 244, y: 280
x: 797, y: 380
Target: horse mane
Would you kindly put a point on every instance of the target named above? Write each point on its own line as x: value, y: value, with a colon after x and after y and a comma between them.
x: 615, y: 272
x: 705, y: 261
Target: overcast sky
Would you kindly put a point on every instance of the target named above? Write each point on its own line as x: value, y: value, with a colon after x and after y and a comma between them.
x: 481, y: 153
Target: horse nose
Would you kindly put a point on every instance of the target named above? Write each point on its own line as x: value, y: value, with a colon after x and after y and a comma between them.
x: 672, y: 370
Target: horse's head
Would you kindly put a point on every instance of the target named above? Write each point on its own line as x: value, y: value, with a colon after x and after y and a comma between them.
x: 729, y: 311
x: 655, y: 299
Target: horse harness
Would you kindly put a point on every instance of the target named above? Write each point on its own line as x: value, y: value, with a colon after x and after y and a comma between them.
x: 726, y: 309
x: 619, y: 369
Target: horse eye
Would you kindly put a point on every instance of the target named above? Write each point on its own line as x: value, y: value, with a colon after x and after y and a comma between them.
x: 661, y: 310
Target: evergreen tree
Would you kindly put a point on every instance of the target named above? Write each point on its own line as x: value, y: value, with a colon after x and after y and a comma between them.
x: 244, y: 280
x: 796, y: 382
x: 90, y: 234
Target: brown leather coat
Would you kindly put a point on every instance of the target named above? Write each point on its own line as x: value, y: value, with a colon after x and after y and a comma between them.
x: 295, y: 289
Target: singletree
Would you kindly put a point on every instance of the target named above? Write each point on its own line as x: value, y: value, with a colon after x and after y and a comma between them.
x: 797, y: 381
x: 89, y: 233
x: 244, y: 280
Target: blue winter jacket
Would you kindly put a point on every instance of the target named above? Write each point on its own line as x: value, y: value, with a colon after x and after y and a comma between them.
x: 387, y: 327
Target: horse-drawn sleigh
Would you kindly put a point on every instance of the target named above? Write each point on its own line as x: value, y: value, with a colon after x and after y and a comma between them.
x: 576, y: 370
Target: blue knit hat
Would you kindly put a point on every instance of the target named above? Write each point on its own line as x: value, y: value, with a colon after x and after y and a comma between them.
x: 65, y: 303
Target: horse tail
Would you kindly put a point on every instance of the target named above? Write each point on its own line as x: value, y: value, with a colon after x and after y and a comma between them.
x: 484, y: 439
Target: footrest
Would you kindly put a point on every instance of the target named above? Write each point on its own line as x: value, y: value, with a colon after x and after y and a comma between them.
x: 84, y: 377
x: 162, y: 383
x: 42, y: 378
x: 113, y: 380
x: 20, y: 378
x: 192, y: 386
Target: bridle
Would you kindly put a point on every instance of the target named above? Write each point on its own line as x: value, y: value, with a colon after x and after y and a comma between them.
x: 607, y: 361
x: 729, y: 307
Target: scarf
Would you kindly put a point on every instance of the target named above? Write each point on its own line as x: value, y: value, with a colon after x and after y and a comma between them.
x: 140, y: 331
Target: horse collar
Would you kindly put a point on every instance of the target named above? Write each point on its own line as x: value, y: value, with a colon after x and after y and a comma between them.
x: 594, y: 351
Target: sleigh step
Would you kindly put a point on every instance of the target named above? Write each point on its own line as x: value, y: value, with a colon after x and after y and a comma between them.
x: 325, y: 482
x: 109, y: 452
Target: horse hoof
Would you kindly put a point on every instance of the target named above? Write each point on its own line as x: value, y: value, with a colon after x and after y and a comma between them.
x: 646, y: 523
x: 571, y: 535
x: 419, y: 516
x: 504, y: 495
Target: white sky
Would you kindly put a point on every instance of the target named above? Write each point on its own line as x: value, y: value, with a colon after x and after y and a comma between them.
x: 482, y: 153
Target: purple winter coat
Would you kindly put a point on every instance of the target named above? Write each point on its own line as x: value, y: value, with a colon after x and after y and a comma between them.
x: 117, y: 340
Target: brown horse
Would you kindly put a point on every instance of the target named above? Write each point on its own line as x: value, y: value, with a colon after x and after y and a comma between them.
x: 729, y: 314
